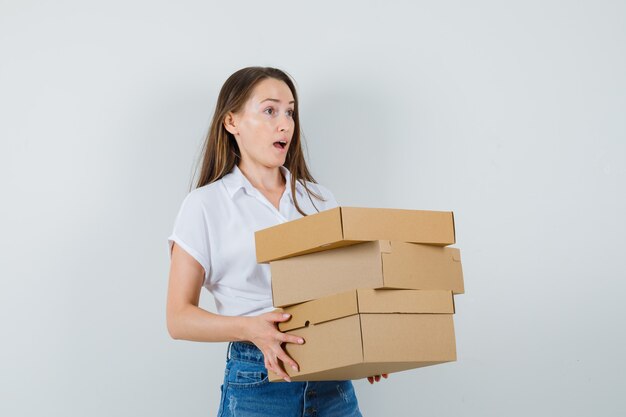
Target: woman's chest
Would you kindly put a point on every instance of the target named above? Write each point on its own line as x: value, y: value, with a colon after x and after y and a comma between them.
x: 231, y: 232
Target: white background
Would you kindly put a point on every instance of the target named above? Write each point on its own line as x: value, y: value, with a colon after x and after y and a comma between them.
x: 511, y: 114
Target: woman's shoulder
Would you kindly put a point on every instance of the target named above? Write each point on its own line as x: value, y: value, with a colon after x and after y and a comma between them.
x: 204, y: 195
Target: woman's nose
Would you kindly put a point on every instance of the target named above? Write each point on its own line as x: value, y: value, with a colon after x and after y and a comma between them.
x: 284, y: 124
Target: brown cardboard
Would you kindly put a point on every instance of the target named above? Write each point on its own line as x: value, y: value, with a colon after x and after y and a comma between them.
x: 367, y: 332
x: 342, y: 226
x: 376, y: 264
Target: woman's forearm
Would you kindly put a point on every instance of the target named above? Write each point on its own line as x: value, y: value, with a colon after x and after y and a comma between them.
x: 196, y: 324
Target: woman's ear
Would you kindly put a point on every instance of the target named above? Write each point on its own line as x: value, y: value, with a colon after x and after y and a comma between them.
x: 230, y: 123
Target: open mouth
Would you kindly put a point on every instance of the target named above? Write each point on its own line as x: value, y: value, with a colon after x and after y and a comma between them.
x: 281, y: 144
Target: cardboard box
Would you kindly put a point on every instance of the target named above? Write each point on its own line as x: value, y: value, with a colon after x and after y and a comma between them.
x: 377, y: 264
x: 344, y: 226
x: 361, y: 333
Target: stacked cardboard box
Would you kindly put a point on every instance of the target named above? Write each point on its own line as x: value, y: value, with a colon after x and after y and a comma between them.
x: 370, y: 290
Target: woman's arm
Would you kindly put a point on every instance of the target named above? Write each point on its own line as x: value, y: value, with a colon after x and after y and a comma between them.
x: 187, y: 321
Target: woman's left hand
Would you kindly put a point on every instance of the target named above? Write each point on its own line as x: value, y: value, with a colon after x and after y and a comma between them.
x: 376, y: 378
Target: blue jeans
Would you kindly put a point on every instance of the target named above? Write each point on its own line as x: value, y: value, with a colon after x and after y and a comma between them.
x: 246, y: 391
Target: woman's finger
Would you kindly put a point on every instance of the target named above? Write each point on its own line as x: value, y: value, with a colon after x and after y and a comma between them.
x: 278, y: 370
x: 278, y: 316
x: 376, y: 378
x: 287, y: 359
x: 289, y: 338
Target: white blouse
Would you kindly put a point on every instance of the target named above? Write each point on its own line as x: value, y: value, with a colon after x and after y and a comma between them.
x: 216, y: 225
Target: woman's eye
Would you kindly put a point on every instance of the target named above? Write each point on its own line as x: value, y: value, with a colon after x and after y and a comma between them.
x: 270, y: 111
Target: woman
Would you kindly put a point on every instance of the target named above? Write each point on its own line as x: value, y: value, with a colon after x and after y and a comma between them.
x: 253, y: 176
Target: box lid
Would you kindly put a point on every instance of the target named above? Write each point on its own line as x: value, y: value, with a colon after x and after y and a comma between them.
x: 343, y: 226
x: 366, y: 301
x: 406, y: 301
x: 298, y: 279
x: 320, y: 310
x: 435, y: 268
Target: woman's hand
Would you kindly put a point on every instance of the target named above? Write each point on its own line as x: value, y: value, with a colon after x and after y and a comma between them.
x: 376, y: 378
x: 263, y: 332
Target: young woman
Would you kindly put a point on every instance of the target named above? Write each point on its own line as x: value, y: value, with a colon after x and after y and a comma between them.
x: 253, y: 176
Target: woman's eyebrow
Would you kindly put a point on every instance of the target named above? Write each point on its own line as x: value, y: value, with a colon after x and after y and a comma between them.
x: 276, y: 100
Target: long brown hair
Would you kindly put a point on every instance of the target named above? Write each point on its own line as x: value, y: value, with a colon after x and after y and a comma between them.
x: 220, y: 152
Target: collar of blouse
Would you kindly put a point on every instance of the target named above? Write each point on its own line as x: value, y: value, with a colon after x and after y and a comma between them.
x: 235, y: 181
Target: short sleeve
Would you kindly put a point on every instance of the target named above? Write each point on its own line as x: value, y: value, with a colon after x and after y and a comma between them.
x: 191, y: 231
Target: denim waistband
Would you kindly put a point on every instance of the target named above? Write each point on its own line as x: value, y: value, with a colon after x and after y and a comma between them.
x: 245, y: 351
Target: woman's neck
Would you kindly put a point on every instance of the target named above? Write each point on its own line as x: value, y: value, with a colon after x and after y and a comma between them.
x: 263, y: 178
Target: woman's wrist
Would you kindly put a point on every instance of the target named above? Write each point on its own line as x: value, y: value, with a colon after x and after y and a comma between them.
x: 242, y: 329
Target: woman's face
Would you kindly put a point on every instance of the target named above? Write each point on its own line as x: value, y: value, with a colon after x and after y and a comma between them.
x: 263, y: 128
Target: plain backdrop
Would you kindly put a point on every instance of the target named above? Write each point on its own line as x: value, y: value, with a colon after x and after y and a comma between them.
x: 511, y: 114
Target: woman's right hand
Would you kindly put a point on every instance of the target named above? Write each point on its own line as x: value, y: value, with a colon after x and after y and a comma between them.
x: 263, y: 332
